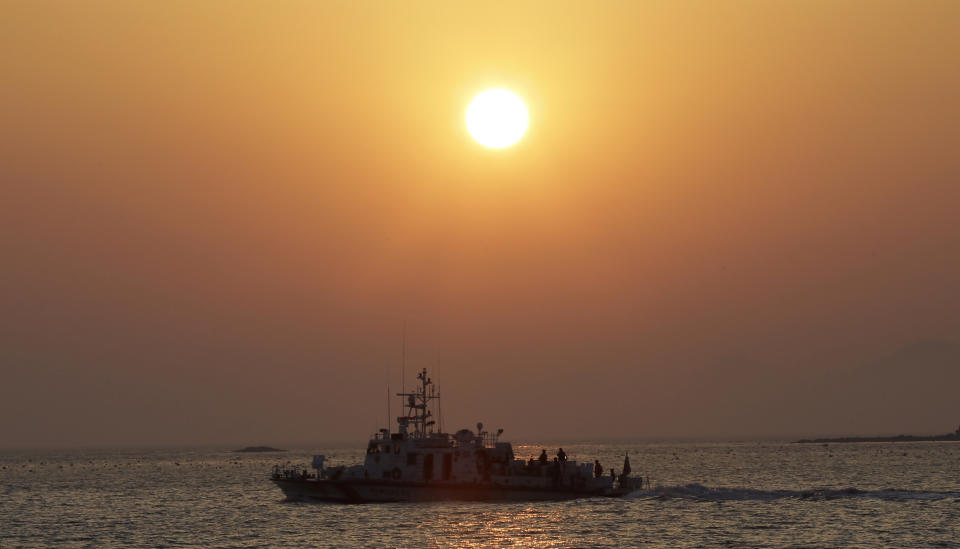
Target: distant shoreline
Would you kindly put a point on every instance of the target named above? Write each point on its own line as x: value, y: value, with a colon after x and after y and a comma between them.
x: 898, y: 438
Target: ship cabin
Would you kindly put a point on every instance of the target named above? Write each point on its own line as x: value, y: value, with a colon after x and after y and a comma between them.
x: 463, y: 457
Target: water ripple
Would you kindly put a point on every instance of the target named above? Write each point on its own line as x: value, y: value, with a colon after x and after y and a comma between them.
x: 706, y: 495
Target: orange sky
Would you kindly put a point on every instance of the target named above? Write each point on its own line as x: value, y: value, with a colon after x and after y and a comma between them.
x: 215, y: 217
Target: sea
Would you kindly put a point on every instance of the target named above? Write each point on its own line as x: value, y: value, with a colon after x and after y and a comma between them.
x: 732, y: 494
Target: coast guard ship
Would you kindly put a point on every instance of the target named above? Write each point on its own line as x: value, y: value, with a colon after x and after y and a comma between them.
x: 419, y: 463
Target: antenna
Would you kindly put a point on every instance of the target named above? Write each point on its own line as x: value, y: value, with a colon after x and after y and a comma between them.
x: 386, y: 378
x: 439, y: 407
x: 403, y: 359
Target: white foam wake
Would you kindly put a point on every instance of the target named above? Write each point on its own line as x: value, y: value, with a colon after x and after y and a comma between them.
x: 705, y: 493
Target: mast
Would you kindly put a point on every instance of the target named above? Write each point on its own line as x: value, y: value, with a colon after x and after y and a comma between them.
x: 417, y: 405
x: 439, y: 407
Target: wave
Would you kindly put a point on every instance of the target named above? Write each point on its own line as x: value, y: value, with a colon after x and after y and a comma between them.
x: 700, y: 492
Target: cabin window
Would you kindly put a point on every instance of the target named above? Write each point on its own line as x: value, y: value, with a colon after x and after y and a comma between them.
x: 428, y: 467
x: 373, y: 448
x: 447, y: 466
x: 412, y: 458
x: 386, y: 449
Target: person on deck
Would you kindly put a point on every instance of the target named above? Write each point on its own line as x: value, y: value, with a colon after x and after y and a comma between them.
x: 543, y: 457
x: 561, y: 455
x: 597, y: 469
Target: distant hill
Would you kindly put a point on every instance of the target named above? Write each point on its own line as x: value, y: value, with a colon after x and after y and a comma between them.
x: 912, y: 390
x: 949, y: 437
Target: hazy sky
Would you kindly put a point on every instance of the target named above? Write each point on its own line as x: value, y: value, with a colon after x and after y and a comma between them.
x: 726, y: 218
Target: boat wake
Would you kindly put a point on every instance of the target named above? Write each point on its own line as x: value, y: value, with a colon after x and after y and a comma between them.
x: 700, y: 492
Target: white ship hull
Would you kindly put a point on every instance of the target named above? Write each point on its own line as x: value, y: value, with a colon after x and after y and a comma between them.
x: 373, y: 491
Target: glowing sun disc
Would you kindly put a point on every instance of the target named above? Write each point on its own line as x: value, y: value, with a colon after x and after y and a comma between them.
x: 497, y: 118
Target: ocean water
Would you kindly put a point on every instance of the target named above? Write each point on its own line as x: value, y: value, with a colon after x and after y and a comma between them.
x: 703, y: 495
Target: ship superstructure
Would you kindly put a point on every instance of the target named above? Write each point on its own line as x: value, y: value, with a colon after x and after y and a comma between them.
x: 419, y: 462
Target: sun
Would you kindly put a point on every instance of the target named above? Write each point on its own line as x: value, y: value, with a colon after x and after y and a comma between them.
x: 497, y: 118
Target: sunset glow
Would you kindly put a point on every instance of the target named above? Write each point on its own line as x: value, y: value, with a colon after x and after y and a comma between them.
x: 735, y: 204
x: 497, y: 118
